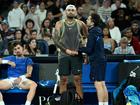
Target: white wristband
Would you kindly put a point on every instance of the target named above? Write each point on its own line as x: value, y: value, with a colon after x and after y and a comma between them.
x: 23, y: 77
x: 5, y: 61
x: 84, y: 54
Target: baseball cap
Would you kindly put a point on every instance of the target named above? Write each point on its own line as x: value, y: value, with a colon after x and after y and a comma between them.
x: 70, y: 6
x: 4, y: 22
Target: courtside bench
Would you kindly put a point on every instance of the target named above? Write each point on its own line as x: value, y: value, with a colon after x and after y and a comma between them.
x: 17, y: 96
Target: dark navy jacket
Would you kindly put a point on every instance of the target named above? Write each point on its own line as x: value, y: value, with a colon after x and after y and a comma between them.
x: 95, y: 45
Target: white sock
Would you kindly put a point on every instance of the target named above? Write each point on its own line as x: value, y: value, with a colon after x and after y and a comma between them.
x: 105, y: 103
x: 101, y: 103
x: 28, y: 103
x: 2, y: 103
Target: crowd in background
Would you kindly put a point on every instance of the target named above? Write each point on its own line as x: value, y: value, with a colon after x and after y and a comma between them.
x: 32, y: 22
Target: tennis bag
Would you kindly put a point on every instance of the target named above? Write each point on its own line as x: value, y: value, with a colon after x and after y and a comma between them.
x: 53, y: 100
x: 131, y: 95
x: 118, y: 95
x: 69, y: 97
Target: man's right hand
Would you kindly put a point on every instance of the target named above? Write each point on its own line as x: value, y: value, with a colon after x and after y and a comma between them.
x: 12, y: 63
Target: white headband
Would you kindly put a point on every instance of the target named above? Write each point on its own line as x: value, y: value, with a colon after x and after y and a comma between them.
x: 70, y: 7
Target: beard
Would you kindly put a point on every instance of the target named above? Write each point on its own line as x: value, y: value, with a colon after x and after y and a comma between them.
x: 18, y: 54
x: 70, y: 17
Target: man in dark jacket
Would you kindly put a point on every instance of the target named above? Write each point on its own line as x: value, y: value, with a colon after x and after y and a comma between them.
x: 95, y: 51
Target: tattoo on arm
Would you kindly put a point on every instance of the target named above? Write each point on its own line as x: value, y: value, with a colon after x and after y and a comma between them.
x: 56, y: 35
x: 56, y: 39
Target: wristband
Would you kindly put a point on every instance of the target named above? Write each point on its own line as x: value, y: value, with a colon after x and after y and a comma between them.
x: 22, y: 77
x: 84, y: 54
x: 5, y: 61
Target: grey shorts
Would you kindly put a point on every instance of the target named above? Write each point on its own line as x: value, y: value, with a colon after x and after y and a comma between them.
x: 70, y: 65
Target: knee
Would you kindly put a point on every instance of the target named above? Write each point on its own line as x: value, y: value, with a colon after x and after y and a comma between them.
x: 34, y: 85
x: 98, y: 85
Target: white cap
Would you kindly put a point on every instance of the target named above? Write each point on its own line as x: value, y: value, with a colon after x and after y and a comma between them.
x: 70, y: 6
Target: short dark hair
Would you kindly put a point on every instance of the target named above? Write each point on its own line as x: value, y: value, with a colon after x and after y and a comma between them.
x: 32, y: 5
x: 125, y: 30
x: 17, y: 43
x: 96, y: 19
x: 18, y: 30
x: 135, y: 22
x: 34, y: 30
x: 29, y: 20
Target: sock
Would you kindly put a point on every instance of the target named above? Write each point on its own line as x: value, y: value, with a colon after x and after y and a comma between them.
x: 105, y: 103
x: 28, y: 103
x: 2, y: 103
x: 101, y: 103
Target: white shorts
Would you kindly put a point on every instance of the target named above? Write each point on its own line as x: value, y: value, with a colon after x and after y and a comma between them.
x: 11, y: 81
